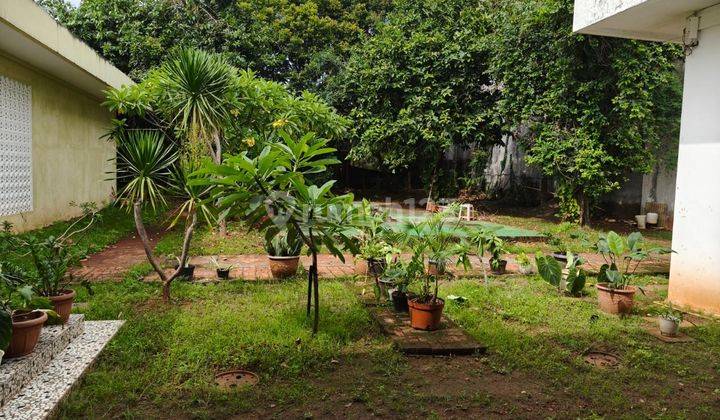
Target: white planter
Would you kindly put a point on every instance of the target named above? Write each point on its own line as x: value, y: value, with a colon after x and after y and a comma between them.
x: 668, y: 327
x: 651, y: 218
x: 640, y: 221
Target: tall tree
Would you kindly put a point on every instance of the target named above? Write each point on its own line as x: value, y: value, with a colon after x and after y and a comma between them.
x: 598, y: 108
x: 419, y: 86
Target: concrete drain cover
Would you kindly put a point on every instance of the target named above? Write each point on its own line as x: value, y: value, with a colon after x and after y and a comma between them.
x: 601, y: 359
x: 236, y: 379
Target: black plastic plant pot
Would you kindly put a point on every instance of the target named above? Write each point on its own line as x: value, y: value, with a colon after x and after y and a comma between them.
x: 376, y: 267
x: 187, y: 272
x: 399, y: 301
x: 223, y: 273
x: 500, y: 267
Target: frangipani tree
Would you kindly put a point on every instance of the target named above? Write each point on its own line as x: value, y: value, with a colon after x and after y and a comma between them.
x: 271, y: 189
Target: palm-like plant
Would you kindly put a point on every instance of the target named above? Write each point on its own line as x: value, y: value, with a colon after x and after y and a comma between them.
x: 145, y: 163
x: 194, y: 90
x: 152, y: 172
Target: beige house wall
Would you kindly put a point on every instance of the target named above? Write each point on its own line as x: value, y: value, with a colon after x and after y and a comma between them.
x: 69, y: 160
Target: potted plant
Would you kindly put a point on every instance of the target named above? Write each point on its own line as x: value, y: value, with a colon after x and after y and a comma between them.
x: 51, y: 257
x: 524, y: 264
x: 426, y: 308
x: 558, y: 247
x: 496, y: 248
x: 622, y: 257
x: 377, y: 253
x: 20, y: 321
x: 401, y: 274
x: 223, y: 271
x: 669, y: 323
x: 440, y: 237
x: 187, y: 271
x: 571, y: 280
x: 374, y: 239
x: 283, y: 248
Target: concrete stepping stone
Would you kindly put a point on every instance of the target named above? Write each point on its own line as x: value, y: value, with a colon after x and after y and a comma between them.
x: 17, y: 372
x: 39, y: 398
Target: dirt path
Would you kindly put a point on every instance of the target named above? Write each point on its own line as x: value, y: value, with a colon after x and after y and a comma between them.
x: 115, y: 260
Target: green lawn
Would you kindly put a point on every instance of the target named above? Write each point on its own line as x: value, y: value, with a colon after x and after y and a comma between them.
x: 162, y: 362
x: 112, y: 225
x: 206, y: 241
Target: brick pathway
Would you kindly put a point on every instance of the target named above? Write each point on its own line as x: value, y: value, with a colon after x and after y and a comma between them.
x: 256, y: 267
x: 114, y: 261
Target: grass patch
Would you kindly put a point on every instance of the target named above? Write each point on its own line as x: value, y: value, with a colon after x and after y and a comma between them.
x: 530, y: 327
x: 163, y: 360
x: 206, y: 241
x: 165, y: 357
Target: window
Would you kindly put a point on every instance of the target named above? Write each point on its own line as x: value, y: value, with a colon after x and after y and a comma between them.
x: 15, y: 147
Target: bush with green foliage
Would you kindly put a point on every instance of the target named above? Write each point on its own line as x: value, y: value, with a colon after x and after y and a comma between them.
x: 271, y: 190
x: 418, y: 87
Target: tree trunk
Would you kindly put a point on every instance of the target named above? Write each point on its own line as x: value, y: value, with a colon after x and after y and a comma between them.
x: 584, y: 204
x: 316, y: 286
x: 142, y: 233
x: 217, y: 158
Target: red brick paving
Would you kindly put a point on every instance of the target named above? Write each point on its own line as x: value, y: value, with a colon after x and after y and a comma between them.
x: 113, y: 262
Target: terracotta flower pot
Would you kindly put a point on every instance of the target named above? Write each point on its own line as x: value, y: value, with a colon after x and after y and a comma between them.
x: 283, y: 267
x: 500, y: 268
x: 435, y: 269
x: 26, y: 330
x: 62, y: 303
x: 615, y: 301
x: 425, y: 316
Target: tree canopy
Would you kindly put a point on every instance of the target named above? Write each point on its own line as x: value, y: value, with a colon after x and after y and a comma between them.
x: 299, y: 42
x: 597, y: 108
x: 419, y: 86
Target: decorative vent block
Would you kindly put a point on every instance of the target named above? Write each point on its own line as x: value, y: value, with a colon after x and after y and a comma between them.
x: 15, y: 147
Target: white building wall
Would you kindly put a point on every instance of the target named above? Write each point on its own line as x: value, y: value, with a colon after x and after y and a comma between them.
x: 695, y: 268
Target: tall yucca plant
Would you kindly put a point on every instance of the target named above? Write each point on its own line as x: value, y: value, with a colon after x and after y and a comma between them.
x: 194, y: 89
x: 194, y: 94
x: 151, y: 171
x: 144, y: 167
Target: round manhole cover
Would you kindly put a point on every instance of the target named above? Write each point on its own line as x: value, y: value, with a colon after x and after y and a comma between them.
x: 236, y: 379
x: 601, y: 359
